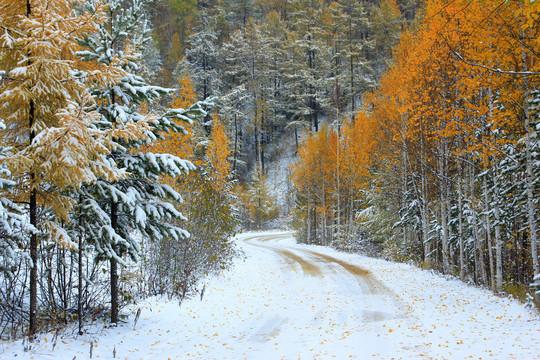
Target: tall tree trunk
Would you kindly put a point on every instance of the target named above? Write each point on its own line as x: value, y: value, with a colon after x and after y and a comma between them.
x: 324, y: 217
x: 256, y: 139
x: 80, y: 284
x: 480, y: 247
x: 444, y: 206
x: 350, y: 232
x: 309, y: 217
x: 113, y: 262
x: 528, y: 162
x: 338, y: 178
x: 424, y: 207
x: 33, y: 270
x: 404, y: 172
x: 498, y: 239
x: 315, y: 227
x: 33, y: 323
x: 477, y: 247
x: 487, y: 221
x: 460, y: 223
x: 114, y: 267
x: 33, y: 237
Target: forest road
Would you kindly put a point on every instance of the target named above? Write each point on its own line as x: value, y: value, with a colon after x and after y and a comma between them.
x: 326, y: 308
x: 284, y: 300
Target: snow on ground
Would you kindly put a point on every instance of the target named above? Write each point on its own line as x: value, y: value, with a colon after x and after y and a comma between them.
x: 289, y: 301
x: 279, y: 173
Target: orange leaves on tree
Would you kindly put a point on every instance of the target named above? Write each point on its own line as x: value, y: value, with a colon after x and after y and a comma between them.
x: 331, y: 162
x: 440, y: 89
x: 218, y: 153
x: 212, y: 154
x: 178, y: 144
x: 357, y: 155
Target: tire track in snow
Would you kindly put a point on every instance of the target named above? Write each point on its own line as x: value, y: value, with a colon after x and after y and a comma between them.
x: 313, y: 263
x: 370, y: 285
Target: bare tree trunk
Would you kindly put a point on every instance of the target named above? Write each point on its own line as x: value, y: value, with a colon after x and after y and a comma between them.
x: 338, y: 169
x: 235, y: 159
x: 33, y: 270
x: 404, y: 173
x: 477, y: 247
x: 257, y: 146
x: 315, y: 228
x: 113, y: 262
x: 351, y: 218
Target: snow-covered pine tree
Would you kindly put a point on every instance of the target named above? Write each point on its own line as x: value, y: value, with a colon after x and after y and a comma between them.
x: 306, y: 82
x: 48, y: 117
x: 203, y: 58
x: 113, y: 210
x: 354, y: 67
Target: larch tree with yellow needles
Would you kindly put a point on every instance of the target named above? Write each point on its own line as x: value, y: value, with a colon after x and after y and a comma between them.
x: 49, y: 116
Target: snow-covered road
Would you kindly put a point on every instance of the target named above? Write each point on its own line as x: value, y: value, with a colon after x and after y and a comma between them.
x: 327, y: 307
x: 290, y: 301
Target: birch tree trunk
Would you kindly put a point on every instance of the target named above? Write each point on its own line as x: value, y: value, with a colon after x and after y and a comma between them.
x: 487, y: 221
x: 424, y: 208
x: 460, y: 223
x: 528, y: 162
x: 443, y: 206
x: 498, y: 239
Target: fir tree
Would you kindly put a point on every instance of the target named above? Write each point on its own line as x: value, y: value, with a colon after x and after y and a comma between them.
x: 112, y: 210
x: 203, y: 59
x: 307, y: 77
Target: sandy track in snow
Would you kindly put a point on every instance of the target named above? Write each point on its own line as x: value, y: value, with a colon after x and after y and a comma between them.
x: 364, y: 300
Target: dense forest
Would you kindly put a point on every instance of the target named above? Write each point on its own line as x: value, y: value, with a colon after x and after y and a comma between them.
x: 138, y: 137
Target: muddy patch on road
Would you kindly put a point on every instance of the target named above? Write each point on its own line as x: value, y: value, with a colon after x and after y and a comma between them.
x: 291, y: 258
x: 371, y: 284
x: 307, y: 267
